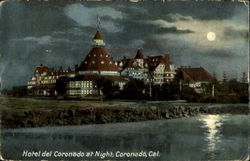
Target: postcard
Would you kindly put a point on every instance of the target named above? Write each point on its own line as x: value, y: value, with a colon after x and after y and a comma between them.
x: 124, y: 80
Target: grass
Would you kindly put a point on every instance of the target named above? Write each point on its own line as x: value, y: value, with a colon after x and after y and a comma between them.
x: 7, y: 103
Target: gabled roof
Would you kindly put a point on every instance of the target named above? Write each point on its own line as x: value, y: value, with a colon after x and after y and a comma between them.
x: 130, y: 63
x: 98, y: 35
x: 98, y: 60
x: 51, y: 71
x: 139, y: 55
x: 154, y: 61
x: 194, y: 74
x: 41, y: 69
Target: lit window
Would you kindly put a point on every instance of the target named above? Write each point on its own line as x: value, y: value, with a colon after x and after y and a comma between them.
x: 85, y: 62
x: 93, y: 62
x: 107, y: 56
x: 101, y: 55
x: 94, y: 55
x: 102, y: 62
x: 110, y: 62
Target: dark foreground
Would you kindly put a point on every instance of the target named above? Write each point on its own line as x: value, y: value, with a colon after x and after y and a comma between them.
x: 81, y: 114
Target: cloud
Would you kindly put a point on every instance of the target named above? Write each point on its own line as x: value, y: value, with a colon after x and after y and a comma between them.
x: 138, y: 43
x: 164, y: 30
x: 232, y: 33
x: 167, y: 27
x: 86, y: 16
x: 42, y: 40
x: 177, y: 17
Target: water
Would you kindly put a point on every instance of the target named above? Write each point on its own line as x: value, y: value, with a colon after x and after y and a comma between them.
x: 206, y: 137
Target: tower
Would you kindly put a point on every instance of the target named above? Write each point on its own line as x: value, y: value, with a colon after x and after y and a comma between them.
x: 98, y: 61
x: 139, y: 58
x: 97, y: 40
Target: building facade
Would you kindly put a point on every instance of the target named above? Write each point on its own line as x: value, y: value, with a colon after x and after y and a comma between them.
x: 194, y: 77
x: 44, y: 80
x: 98, y: 64
x: 152, y: 69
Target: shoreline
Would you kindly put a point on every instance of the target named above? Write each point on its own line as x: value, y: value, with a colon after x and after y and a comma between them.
x: 78, y: 115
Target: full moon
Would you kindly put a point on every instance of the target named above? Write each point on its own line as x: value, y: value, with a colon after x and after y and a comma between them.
x: 211, y: 36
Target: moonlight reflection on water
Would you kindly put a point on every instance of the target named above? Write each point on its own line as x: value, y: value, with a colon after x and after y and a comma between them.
x: 213, y: 136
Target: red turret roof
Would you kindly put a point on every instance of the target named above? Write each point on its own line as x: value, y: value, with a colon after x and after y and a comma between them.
x: 98, y: 35
x: 98, y: 60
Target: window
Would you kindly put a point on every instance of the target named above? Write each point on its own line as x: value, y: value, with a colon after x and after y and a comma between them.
x: 93, y: 62
x: 102, y: 62
x: 85, y: 62
x: 101, y: 55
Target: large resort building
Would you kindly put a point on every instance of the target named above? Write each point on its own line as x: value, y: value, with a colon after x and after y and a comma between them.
x: 82, y: 81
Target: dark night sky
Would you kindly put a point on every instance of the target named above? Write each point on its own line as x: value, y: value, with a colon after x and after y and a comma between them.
x: 57, y: 35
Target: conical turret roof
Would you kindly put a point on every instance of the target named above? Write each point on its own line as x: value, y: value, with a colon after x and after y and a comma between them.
x: 98, y: 35
x: 98, y: 60
x: 139, y: 54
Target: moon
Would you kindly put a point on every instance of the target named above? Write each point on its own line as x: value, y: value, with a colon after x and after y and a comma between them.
x: 211, y: 36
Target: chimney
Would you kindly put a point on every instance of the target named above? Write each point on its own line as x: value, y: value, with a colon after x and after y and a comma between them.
x: 69, y: 69
x: 41, y: 65
x: 124, y: 57
x: 60, y: 68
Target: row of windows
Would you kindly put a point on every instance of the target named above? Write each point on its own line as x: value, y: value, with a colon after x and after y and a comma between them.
x: 51, y: 77
x: 93, y: 62
x: 48, y: 81
x: 100, y: 55
x: 86, y: 84
x: 82, y: 92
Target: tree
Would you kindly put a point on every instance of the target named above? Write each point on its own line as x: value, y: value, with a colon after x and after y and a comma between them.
x: 61, y: 86
x: 244, y: 77
x: 134, y: 89
x: 107, y: 87
x: 224, y: 77
x: 19, y: 91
